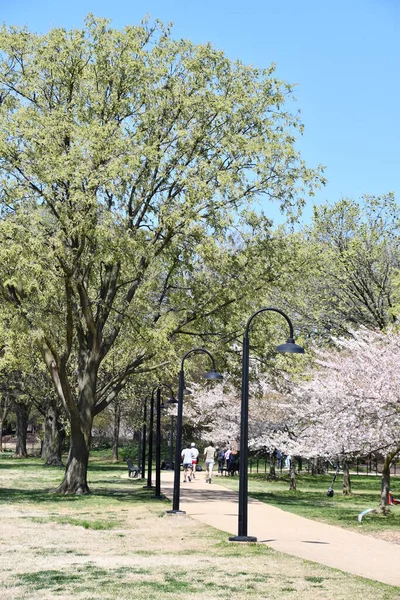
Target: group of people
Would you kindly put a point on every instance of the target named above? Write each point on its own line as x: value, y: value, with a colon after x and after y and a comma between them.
x: 189, y: 456
x: 228, y: 461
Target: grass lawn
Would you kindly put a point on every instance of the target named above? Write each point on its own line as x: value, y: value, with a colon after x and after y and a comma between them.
x: 119, y: 543
x: 310, y: 500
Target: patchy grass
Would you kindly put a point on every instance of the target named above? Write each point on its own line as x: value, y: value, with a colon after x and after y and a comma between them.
x: 119, y: 543
x: 85, y: 523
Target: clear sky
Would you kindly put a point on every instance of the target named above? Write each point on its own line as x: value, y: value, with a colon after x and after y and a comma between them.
x: 342, y: 54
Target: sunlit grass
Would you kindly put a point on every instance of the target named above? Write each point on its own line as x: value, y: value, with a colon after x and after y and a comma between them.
x: 311, y: 501
x: 119, y: 543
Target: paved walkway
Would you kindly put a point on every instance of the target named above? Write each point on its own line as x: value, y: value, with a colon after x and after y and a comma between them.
x: 333, y: 546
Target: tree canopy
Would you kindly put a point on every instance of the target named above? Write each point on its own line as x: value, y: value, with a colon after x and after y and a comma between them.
x: 130, y: 165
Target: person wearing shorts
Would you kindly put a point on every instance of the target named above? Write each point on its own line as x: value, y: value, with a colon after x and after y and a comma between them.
x: 209, y: 457
x: 195, y: 456
x: 186, y: 455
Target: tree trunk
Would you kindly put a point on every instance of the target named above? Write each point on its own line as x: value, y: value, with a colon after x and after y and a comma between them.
x: 272, y: 465
x: 75, y: 478
x: 346, y: 478
x: 53, y: 437
x: 4, y: 405
x: 385, y: 485
x: 22, y: 413
x: 318, y: 466
x: 117, y: 423
x: 292, y: 471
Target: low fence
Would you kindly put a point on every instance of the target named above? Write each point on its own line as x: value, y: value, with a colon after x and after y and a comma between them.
x: 364, y: 466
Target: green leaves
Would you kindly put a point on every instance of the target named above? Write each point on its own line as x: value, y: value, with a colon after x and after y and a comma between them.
x: 130, y: 163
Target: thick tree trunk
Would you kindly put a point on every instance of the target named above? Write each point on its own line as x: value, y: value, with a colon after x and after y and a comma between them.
x: 346, y: 478
x: 53, y: 437
x: 117, y: 423
x: 22, y: 413
x: 75, y: 478
x: 292, y: 471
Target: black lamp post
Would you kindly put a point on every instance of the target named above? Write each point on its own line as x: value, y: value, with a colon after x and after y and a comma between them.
x: 144, y: 438
x: 178, y: 440
x: 159, y: 406
x: 290, y: 346
x: 171, y: 443
x: 150, y: 454
x: 139, y: 450
x: 158, y: 445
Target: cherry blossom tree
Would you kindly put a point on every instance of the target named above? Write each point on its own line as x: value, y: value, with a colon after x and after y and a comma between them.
x: 214, y: 411
x: 349, y: 406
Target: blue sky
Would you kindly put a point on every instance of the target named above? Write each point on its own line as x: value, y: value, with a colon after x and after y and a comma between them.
x: 342, y: 54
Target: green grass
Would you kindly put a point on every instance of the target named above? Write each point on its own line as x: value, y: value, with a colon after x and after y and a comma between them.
x: 96, y: 525
x: 310, y: 499
x: 118, y: 543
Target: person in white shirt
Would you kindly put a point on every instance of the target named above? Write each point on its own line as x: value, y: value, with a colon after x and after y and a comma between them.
x: 209, y: 457
x: 195, y: 456
x: 186, y: 455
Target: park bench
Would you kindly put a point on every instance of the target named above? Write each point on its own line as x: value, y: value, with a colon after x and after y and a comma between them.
x: 132, y: 468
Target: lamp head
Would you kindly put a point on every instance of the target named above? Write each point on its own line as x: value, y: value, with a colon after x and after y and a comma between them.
x: 213, y: 375
x: 290, y: 347
x: 172, y: 400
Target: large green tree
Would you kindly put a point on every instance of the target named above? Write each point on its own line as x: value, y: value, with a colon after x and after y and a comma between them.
x: 349, y: 267
x: 129, y: 163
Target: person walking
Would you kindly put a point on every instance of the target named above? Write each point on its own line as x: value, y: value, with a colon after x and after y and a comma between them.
x: 209, y: 457
x: 195, y: 456
x: 187, y: 463
x: 228, y: 459
x: 221, y: 460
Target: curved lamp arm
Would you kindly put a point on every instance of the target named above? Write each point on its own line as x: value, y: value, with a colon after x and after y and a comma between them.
x: 165, y: 385
x: 270, y: 308
x: 198, y: 351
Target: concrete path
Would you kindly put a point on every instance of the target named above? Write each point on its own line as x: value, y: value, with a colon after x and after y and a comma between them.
x: 335, y: 547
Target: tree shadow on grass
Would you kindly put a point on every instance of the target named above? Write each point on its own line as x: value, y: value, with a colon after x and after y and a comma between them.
x: 49, y: 495
x: 342, y: 509
x: 23, y: 463
x: 93, y: 467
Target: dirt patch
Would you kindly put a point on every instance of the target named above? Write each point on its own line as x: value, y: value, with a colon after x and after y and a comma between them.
x: 387, y: 536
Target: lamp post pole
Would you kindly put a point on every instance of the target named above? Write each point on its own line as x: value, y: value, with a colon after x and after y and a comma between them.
x: 158, y: 435
x: 178, y: 443
x: 290, y: 346
x: 150, y: 456
x: 178, y: 438
x: 144, y: 438
x: 158, y: 445
x: 139, y: 450
x: 171, y: 443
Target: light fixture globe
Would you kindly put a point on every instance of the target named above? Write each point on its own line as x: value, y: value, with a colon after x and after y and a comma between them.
x: 290, y: 347
x: 172, y: 400
x: 213, y: 375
